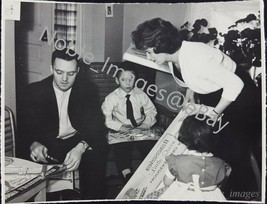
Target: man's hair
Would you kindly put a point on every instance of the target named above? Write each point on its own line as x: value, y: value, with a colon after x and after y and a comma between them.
x: 157, y: 33
x: 65, y: 54
x: 197, y: 135
x: 127, y: 66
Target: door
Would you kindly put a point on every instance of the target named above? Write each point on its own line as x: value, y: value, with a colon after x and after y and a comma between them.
x: 33, y: 55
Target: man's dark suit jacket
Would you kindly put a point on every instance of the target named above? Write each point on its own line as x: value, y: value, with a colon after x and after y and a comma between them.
x: 38, y: 118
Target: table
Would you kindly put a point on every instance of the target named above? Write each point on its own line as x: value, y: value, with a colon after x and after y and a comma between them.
x: 23, y: 180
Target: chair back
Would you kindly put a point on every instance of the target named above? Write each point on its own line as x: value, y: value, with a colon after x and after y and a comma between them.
x: 9, y: 133
x: 103, y: 76
x: 255, y: 167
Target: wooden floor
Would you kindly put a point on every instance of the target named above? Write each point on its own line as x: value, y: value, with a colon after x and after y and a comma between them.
x: 114, y: 186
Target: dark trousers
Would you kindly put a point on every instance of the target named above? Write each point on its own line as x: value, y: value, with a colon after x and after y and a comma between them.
x: 242, y: 132
x: 243, y: 114
x: 92, y: 169
x: 123, y: 152
x: 92, y: 172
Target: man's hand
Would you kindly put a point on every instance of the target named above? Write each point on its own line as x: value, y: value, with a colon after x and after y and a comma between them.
x: 73, y: 158
x: 125, y: 128
x: 38, y: 152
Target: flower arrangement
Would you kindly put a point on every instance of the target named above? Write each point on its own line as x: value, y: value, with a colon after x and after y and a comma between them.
x: 241, y: 42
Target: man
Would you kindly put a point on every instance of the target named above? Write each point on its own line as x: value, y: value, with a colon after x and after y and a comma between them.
x: 60, y: 121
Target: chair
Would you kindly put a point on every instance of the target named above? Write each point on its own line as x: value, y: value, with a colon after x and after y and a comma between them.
x: 256, y: 169
x: 68, y: 180
x: 9, y: 133
x: 164, y: 116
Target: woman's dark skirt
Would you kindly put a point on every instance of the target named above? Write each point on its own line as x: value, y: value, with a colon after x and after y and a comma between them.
x: 241, y: 135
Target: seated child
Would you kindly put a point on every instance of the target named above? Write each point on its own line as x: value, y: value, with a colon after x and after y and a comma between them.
x: 196, y: 173
x: 126, y: 108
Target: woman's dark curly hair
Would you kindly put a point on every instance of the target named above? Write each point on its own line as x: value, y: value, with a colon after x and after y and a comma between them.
x: 159, y: 34
x: 197, y: 135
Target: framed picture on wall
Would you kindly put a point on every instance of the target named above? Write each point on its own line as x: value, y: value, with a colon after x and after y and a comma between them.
x: 109, y: 10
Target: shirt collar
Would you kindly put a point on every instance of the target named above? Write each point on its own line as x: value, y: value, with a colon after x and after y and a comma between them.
x: 58, y: 92
x: 196, y: 153
x: 122, y: 93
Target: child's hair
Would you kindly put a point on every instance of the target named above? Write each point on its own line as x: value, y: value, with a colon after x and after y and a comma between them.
x: 197, y: 135
x: 127, y: 66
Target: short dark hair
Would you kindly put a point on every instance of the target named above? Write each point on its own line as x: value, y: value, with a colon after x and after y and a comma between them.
x: 65, y: 54
x: 157, y: 33
x: 197, y: 135
x: 127, y: 66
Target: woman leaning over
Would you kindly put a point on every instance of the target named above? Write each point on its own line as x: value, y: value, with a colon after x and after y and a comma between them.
x: 217, y: 81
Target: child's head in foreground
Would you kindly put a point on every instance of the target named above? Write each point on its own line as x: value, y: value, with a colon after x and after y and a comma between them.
x: 197, y: 135
x: 126, y: 79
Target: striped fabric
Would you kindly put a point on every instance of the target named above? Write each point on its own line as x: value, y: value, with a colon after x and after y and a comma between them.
x: 66, y: 24
x: 9, y: 133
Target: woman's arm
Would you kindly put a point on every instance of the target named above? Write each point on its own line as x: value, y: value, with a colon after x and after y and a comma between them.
x: 231, y: 84
x: 221, y: 106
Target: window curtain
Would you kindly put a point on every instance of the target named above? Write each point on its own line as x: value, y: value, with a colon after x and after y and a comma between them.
x: 221, y: 15
x: 66, y: 24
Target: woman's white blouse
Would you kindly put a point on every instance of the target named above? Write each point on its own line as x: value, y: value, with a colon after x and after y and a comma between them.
x: 205, y: 70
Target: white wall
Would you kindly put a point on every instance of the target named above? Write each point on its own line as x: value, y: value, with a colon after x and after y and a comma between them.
x: 114, y: 33
x: 93, y: 30
x: 102, y: 36
x: 8, y: 68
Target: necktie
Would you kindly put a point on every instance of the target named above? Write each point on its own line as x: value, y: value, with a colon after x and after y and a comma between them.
x: 129, y: 111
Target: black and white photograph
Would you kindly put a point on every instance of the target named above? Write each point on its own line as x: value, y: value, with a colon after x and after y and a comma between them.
x: 133, y: 101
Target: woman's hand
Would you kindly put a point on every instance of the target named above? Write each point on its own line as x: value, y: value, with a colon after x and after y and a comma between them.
x: 221, y: 106
x: 217, y: 112
x: 189, y: 97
